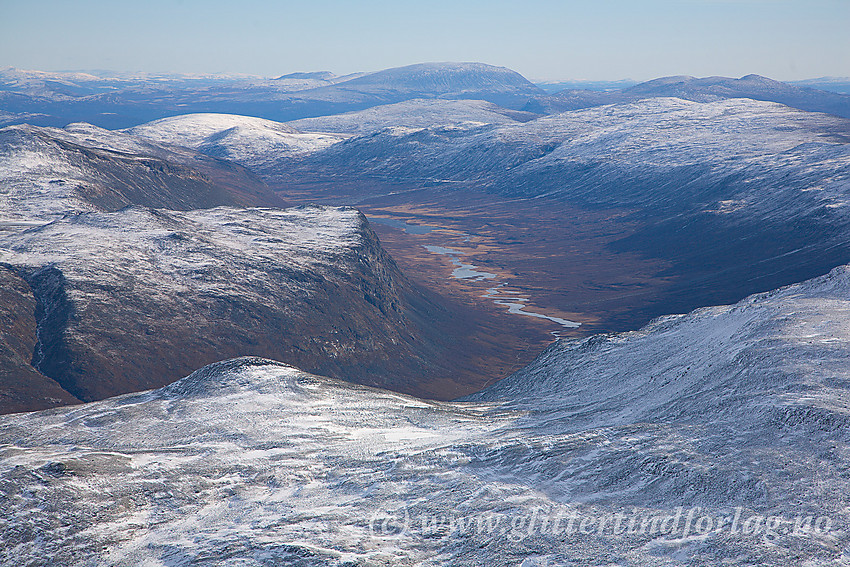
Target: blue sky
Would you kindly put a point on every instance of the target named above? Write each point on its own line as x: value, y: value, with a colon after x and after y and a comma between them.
x: 599, y: 39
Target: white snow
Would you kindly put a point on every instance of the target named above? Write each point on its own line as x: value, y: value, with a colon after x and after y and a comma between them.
x: 416, y: 113
x: 740, y: 409
x: 249, y: 141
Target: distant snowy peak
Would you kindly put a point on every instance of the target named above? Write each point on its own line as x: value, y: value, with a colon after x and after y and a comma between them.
x: 192, y: 130
x: 246, y: 140
x: 749, y: 86
x: 445, y: 78
x: 705, y: 89
x: 319, y: 75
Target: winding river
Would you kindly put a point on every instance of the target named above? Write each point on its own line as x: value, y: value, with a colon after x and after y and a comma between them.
x: 513, y: 300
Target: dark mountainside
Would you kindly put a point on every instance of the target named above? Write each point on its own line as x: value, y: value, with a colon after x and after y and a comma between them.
x: 22, y: 387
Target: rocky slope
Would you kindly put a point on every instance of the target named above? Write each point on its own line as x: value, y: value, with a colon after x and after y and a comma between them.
x: 713, y: 438
x: 22, y: 387
x: 138, y: 298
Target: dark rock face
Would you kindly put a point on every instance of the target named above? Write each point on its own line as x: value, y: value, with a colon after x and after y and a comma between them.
x: 22, y: 387
x: 136, y: 299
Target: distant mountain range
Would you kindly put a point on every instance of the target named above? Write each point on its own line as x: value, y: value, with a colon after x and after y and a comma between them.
x: 36, y: 99
x: 56, y: 99
x: 701, y: 90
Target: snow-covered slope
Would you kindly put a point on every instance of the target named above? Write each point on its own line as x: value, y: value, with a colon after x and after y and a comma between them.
x: 417, y: 113
x: 705, y: 89
x: 252, y: 142
x: 48, y: 172
x: 706, y: 439
x: 649, y: 137
x: 445, y: 80
x: 140, y: 297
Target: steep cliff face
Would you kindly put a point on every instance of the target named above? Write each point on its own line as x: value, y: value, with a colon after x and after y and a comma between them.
x: 138, y: 298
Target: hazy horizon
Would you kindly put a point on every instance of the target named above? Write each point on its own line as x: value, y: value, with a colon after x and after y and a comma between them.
x: 544, y: 40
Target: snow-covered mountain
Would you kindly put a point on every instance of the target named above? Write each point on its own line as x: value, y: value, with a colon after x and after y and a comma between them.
x: 249, y: 141
x: 476, y: 81
x: 713, y: 186
x: 717, y: 437
x: 705, y: 89
x: 645, y: 139
x: 138, y: 298
x: 49, y: 172
x: 120, y: 102
x: 262, y: 145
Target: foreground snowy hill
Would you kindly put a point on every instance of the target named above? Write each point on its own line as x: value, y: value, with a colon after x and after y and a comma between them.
x: 713, y: 438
